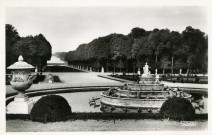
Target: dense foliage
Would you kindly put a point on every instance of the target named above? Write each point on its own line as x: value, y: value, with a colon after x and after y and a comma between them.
x: 35, y: 50
x: 12, y: 37
x: 177, y: 108
x: 162, y: 49
x: 51, y: 108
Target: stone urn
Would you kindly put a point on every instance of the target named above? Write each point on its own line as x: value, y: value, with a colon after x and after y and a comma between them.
x: 21, y: 80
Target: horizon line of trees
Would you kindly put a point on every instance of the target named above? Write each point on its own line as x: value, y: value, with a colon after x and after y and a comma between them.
x: 165, y: 50
x: 35, y: 50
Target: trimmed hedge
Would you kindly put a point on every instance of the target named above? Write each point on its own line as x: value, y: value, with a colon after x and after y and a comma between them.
x: 177, y: 108
x: 51, y: 108
x: 61, y: 69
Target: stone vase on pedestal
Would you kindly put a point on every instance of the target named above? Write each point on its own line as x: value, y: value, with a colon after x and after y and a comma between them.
x: 21, y: 80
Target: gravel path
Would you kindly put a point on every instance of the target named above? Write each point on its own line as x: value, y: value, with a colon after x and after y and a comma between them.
x: 104, y: 125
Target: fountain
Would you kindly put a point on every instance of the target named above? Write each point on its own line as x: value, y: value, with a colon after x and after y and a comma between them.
x: 148, y: 94
x: 21, y: 80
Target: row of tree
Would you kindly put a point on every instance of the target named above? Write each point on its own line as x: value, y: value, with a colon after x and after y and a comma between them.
x: 35, y: 50
x: 162, y: 49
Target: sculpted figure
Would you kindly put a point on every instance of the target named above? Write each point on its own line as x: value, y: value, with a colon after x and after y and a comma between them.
x: 146, y: 69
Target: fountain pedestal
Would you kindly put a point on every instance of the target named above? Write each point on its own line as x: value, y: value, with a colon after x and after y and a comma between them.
x: 20, y: 106
x: 21, y: 80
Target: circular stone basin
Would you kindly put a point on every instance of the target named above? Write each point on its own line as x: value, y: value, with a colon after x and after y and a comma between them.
x: 79, y: 102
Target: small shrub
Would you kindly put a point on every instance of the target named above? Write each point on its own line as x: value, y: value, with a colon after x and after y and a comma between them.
x: 39, y: 78
x: 177, y: 108
x: 42, y: 77
x: 56, y: 78
x: 51, y: 108
x: 36, y: 80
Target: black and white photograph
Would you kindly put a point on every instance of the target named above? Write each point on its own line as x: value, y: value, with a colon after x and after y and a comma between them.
x: 106, y: 68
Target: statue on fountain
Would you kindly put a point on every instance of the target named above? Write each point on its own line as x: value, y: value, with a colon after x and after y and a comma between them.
x: 146, y: 70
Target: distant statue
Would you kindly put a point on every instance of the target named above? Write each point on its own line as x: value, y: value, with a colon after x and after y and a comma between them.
x: 139, y: 72
x: 157, y: 77
x: 180, y: 71
x: 36, y: 69
x: 51, y: 78
x: 102, y: 70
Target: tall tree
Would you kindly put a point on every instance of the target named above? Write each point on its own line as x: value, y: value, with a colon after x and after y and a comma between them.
x: 117, y: 44
x: 44, y: 51
x: 158, y: 40
x: 165, y: 63
x: 195, y: 46
x: 174, y: 46
x: 12, y: 37
x: 138, y: 32
x: 35, y: 50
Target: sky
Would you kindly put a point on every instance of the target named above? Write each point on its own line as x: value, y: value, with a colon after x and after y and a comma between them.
x: 68, y: 27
